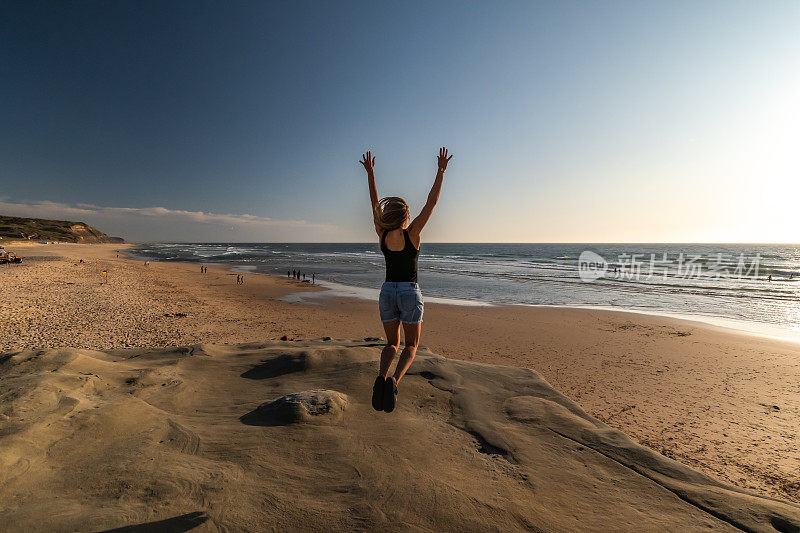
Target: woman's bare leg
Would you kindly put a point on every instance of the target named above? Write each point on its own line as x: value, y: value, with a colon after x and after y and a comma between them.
x: 412, y: 333
x: 392, y: 330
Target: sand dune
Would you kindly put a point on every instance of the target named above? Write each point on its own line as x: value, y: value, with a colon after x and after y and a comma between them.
x: 281, y: 436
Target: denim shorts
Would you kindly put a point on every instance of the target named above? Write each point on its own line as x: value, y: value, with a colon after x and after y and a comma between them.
x: 401, y: 301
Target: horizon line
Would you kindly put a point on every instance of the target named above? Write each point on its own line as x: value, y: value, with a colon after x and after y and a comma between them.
x: 474, y: 242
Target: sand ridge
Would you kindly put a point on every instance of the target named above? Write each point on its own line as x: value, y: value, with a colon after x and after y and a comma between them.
x: 115, y: 438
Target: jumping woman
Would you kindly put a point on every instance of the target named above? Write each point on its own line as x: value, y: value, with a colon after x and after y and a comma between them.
x: 400, y: 301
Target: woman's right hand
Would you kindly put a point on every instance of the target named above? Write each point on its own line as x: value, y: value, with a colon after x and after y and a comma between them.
x: 368, y: 161
x: 443, y: 159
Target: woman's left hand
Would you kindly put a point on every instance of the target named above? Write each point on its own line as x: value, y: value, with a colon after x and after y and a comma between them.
x: 368, y: 161
x: 442, y: 160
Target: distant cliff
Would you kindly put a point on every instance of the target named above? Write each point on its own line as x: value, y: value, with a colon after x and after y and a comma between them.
x: 40, y: 229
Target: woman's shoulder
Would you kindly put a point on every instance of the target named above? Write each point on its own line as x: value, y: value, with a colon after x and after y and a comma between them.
x: 413, y: 237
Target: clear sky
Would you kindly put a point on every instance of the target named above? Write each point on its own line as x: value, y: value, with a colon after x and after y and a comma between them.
x: 244, y: 121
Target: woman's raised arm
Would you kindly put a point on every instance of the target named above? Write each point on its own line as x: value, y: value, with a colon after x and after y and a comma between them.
x: 433, y: 196
x: 369, y: 165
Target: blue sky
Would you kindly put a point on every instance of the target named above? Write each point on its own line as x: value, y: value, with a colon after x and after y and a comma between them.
x: 244, y: 121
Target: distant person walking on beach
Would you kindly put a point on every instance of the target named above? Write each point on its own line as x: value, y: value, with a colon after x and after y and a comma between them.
x: 400, y: 300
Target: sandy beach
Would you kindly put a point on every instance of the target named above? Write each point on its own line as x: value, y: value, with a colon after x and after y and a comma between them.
x: 722, y: 402
x: 582, y: 213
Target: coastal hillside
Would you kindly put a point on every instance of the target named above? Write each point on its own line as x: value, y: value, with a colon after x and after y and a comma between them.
x: 40, y: 229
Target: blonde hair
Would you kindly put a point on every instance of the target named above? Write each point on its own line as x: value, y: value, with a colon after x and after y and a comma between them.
x: 391, y: 213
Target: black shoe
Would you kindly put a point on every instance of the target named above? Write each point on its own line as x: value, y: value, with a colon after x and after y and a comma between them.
x: 389, y: 394
x: 377, y: 393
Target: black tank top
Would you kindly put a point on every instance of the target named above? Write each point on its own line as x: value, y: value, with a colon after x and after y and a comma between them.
x: 401, y: 265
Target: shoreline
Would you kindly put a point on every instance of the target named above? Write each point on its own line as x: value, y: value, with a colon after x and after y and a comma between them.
x: 341, y: 290
x: 328, y: 290
x: 722, y: 401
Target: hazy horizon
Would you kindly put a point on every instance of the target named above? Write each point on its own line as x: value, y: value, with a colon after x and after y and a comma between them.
x: 575, y: 122
x: 374, y: 241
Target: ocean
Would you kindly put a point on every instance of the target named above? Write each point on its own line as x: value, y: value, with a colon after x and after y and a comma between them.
x: 721, y: 283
